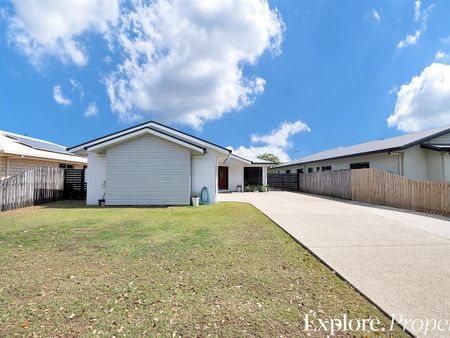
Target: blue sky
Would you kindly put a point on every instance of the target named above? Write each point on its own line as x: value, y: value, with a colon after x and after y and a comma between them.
x: 335, y: 68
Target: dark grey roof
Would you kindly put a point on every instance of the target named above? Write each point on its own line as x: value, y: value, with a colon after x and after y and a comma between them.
x: 143, y: 125
x: 384, y: 145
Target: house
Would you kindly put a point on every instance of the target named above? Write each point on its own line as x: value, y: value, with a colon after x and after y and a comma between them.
x: 153, y: 164
x: 19, y: 153
x: 419, y: 156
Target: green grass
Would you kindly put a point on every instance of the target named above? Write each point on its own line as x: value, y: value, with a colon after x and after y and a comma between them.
x: 221, y: 270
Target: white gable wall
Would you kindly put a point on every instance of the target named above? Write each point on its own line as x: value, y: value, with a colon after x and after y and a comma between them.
x: 202, y: 169
x: 148, y: 170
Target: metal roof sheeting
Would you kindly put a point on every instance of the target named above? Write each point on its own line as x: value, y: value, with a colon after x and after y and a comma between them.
x: 394, y: 143
x: 20, y: 145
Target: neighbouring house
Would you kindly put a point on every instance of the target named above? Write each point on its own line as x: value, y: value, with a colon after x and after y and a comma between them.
x: 19, y: 153
x: 419, y: 156
x: 153, y: 164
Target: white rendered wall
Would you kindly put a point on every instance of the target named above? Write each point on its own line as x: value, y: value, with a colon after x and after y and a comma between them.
x: 435, y: 165
x: 415, y: 163
x: 95, y: 176
x: 204, y: 174
x: 235, y: 176
x: 383, y: 162
x: 447, y: 167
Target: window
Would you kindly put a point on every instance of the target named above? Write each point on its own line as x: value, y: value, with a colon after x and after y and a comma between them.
x: 65, y: 166
x: 288, y: 171
x: 310, y: 170
x: 326, y: 167
x: 300, y: 171
x: 360, y: 165
x: 317, y: 168
x: 252, y: 175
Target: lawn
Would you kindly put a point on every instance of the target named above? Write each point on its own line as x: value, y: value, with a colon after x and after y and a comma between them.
x: 220, y: 270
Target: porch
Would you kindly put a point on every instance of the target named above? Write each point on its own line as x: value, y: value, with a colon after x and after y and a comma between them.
x: 234, y: 172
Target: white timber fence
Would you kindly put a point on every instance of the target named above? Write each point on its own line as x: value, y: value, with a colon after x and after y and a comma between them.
x: 34, y: 186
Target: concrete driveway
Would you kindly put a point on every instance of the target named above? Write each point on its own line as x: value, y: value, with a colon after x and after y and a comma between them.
x: 400, y: 260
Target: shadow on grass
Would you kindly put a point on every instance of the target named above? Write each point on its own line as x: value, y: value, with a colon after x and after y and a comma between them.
x: 81, y: 204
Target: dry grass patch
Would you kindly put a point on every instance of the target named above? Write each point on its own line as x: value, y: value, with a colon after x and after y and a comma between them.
x: 225, y: 270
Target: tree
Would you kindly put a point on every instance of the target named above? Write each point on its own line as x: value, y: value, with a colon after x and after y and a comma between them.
x: 269, y: 157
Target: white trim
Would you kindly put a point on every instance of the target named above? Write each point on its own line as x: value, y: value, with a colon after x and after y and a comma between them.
x: 142, y: 132
x: 148, y: 125
x: 237, y: 158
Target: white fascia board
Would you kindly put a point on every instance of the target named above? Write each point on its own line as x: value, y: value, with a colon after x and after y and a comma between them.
x: 83, y: 146
x: 263, y: 164
x: 232, y: 157
x: 153, y: 125
x: 238, y: 159
x: 143, y: 131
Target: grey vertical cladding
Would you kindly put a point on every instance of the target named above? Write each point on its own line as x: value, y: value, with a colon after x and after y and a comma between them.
x: 148, y: 170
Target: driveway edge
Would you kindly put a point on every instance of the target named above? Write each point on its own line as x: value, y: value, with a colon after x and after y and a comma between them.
x: 333, y: 270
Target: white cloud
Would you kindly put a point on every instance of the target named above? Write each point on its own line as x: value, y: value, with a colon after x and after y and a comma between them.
x: 59, y: 97
x: 53, y: 27
x: 393, y: 90
x: 107, y: 59
x: 410, y: 39
x: 417, y: 5
x: 276, y: 142
x: 91, y: 110
x: 421, y: 17
x: 424, y: 102
x: 184, y: 59
x: 376, y: 15
x: 442, y: 56
x: 77, y: 86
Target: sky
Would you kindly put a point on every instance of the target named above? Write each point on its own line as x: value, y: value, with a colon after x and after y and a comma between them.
x: 289, y: 77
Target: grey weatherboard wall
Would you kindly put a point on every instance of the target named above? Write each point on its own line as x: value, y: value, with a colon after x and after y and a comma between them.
x: 148, y: 170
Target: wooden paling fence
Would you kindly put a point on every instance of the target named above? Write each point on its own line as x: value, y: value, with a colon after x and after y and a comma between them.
x: 384, y: 188
x: 371, y: 186
x: 328, y: 183
x: 35, y: 186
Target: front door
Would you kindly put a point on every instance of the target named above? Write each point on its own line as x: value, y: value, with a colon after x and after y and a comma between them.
x: 223, y: 178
